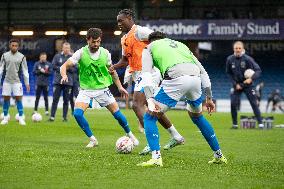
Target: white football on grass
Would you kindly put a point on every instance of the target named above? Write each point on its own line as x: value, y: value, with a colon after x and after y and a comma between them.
x: 124, y: 145
x: 36, y: 117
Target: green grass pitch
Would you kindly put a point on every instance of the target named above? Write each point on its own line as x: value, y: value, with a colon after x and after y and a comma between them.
x: 53, y: 155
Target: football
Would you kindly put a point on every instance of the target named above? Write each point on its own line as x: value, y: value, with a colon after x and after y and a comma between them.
x: 2, y: 116
x: 36, y: 117
x: 124, y: 145
x: 248, y: 73
x: 17, y: 117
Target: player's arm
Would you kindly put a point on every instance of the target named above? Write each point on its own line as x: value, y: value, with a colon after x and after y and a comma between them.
x: 142, y: 33
x: 63, y: 70
x: 205, y: 80
x: 147, y: 67
x: 206, y: 84
x: 115, y: 78
x: 1, y: 66
x: 73, y: 60
x: 122, y: 63
x: 26, y: 73
x: 117, y: 82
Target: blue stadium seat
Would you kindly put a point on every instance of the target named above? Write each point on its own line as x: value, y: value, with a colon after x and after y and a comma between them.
x: 272, y: 76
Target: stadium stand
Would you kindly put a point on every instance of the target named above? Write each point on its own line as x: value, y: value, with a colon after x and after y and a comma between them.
x: 273, y: 78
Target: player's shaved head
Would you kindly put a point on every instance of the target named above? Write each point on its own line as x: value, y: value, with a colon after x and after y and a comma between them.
x: 238, y: 48
x: 239, y: 43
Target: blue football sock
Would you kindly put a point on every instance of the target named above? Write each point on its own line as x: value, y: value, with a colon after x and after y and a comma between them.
x: 91, y: 103
x: 83, y: 123
x: 20, y: 107
x: 151, y: 131
x: 207, y: 131
x: 6, y: 106
x: 121, y: 120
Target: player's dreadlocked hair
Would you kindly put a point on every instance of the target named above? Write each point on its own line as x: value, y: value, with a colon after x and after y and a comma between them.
x: 156, y: 36
x: 127, y: 12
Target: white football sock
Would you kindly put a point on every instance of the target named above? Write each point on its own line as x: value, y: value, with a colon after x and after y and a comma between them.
x: 133, y: 138
x: 131, y: 135
x: 156, y: 154
x: 218, y: 154
x: 92, y: 138
x: 174, y: 133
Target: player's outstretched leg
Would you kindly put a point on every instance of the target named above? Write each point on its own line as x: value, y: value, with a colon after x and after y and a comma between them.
x: 139, y: 101
x: 6, y: 106
x: 152, y: 135
x: 208, y: 133
x: 124, y: 124
x: 20, y: 110
x: 83, y: 123
x: 176, y: 138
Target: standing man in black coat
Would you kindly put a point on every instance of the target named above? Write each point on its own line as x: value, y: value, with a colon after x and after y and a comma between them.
x: 42, y: 70
x: 236, y: 66
x: 58, y: 87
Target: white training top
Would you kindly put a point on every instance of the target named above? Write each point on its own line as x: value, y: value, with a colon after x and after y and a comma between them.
x: 75, y: 58
x: 13, y: 62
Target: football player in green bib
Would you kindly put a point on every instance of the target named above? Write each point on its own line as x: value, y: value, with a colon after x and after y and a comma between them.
x: 183, y: 75
x: 93, y: 63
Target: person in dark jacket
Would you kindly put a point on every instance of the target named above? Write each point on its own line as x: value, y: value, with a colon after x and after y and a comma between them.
x: 236, y: 66
x: 42, y: 70
x: 65, y: 87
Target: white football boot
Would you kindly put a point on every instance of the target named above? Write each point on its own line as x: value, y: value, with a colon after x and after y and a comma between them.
x: 5, y: 120
x: 22, y: 121
x: 92, y: 143
x: 133, y: 138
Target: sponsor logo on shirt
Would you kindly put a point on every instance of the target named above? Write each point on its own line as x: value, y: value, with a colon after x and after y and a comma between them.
x: 243, y: 64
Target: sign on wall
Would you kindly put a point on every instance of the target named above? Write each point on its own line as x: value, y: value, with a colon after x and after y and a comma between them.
x: 220, y: 29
